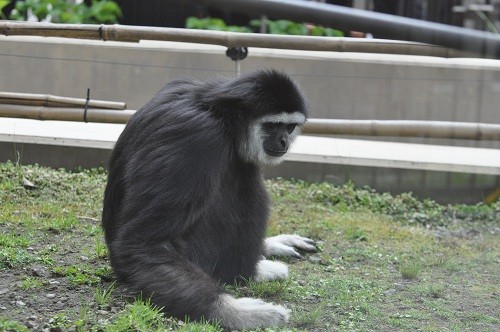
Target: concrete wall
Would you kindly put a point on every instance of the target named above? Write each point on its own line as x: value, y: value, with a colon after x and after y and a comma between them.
x: 358, y: 86
x: 338, y: 85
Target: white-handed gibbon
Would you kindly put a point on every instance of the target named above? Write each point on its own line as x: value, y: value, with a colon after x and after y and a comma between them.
x: 185, y: 208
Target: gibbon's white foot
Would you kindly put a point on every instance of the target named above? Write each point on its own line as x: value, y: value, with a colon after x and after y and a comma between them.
x: 270, y: 270
x: 249, y: 313
x: 286, y: 245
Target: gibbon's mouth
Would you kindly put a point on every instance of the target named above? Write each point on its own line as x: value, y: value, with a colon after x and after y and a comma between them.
x: 275, y: 153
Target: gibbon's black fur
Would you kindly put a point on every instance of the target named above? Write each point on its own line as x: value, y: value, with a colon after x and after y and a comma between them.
x: 185, y: 208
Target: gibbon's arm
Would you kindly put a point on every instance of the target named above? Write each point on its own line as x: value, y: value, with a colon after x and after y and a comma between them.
x: 174, y: 175
x: 287, y: 245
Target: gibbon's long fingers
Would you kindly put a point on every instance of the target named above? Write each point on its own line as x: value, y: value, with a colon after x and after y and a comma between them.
x: 278, y: 249
x: 286, y: 245
x: 304, y: 243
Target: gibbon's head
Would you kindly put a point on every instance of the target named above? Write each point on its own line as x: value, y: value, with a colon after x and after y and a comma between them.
x: 276, y: 109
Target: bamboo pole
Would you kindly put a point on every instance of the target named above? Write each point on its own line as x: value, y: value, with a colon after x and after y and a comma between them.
x: 404, y: 128
x: 65, y: 114
x: 228, y: 39
x: 31, y: 99
x: 396, y: 128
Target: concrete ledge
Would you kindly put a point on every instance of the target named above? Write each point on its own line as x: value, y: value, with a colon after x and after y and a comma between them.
x: 395, y: 155
x: 309, y: 149
x: 77, y: 134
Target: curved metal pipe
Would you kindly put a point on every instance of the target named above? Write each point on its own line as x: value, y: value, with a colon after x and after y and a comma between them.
x: 381, y: 25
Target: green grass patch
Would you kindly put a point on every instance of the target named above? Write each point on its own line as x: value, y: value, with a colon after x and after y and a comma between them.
x: 32, y: 283
x: 410, y: 270
x: 103, y: 295
x: 386, y: 262
x: 138, y: 316
x: 12, y: 326
x: 83, y: 274
x: 14, y: 257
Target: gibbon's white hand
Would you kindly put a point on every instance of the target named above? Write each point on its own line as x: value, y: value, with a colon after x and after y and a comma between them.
x: 287, y: 245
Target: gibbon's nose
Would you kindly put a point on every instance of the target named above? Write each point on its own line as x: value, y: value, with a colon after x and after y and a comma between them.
x: 283, y: 143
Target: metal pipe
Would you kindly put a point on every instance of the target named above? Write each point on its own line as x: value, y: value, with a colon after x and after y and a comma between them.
x: 380, y: 25
x: 228, y: 39
x: 397, y: 128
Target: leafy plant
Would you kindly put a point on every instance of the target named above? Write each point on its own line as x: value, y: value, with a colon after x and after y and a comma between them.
x: 213, y: 24
x: 285, y: 27
x: 60, y: 11
x: 3, y: 4
x: 8, y: 325
x: 32, y: 283
x: 278, y: 27
x: 282, y: 27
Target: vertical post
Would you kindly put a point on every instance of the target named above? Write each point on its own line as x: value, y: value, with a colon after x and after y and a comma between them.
x: 236, y: 54
x: 237, y: 66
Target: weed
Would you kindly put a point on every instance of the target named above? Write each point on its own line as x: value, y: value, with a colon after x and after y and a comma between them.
x: 484, y: 318
x: 14, y: 240
x: 62, y: 224
x: 77, y: 275
x: 13, y: 326
x: 12, y: 250
x: 273, y: 288
x: 59, y: 322
x: 307, y: 318
x: 102, y: 296
x: 32, y: 283
x: 14, y: 257
x: 436, y: 291
x: 138, y: 316
x: 355, y: 234
x: 202, y: 326
x: 410, y: 269
x: 83, y: 320
x: 101, y: 251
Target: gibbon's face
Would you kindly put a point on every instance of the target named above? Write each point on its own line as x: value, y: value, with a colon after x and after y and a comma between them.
x: 270, y: 137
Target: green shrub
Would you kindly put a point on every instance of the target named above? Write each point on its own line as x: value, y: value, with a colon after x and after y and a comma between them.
x: 60, y: 11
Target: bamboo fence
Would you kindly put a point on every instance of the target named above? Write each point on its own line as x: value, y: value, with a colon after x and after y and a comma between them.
x: 124, y: 33
x: 31, y: 99
x: 395, y: 128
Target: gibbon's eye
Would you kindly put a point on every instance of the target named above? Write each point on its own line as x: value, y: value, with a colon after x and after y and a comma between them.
x: 272, y: 126
x: 291, y: 127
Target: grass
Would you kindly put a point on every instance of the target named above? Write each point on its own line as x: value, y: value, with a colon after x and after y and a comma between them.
x: 138, y: 316
x: 103, y: 295
x: 410, y: 270
x: 386, y: 263
x: 32, y: 283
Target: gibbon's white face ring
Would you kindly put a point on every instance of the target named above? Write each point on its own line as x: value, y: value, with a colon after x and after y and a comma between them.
x: 253, y: 149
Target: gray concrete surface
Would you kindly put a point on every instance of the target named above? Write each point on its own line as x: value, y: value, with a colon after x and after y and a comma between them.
x: 338, y: 85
